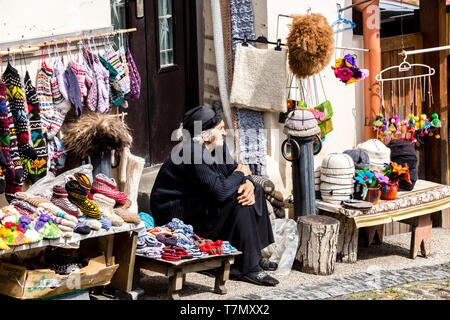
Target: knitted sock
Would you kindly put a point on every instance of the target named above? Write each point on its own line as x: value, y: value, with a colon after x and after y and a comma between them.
x: 116, y: 96
x: 114, y: 59
x: 60, y: 198
x: 61, y: 107
x: 106, y: 205
x: 59, y: 71
x: 39, y: 167
x: 78, y: 196
x: 92, y: 223
x: 127, y: 216
x: 106, y: 186
x: 74, y: 91
x: 44, y: 95
x: 93, y: 94
x: 79, y: 70
x: 10, y: 172
x: 15, y: 97
x: 15, y: 185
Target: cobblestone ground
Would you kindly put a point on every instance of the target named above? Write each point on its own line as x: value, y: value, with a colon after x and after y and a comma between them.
x: 389, y: 284
x: 418, y: 290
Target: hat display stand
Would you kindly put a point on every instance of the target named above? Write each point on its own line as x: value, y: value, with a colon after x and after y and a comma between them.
x: 301, y: 128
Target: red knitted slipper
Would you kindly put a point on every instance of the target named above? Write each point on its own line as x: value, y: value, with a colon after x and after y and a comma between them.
x: 106, y: 186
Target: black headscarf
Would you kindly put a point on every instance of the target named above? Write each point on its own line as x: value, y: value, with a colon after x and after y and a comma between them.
x: 209, y: 117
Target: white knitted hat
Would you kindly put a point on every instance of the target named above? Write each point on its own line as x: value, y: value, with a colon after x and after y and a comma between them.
x: 301, y: 123
x: 337, y: 164
x: 378, y: 153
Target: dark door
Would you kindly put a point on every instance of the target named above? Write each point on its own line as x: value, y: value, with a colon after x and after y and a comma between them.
x: 165, y: 50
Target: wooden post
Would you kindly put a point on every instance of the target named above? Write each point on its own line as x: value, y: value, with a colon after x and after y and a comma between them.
x: 317, y: 249
x: 434, y: 30
x: 347, y: 246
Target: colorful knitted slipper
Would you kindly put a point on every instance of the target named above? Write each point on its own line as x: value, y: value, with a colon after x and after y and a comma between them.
x: 182, y: 253
x: 3, y: 245
x: 106, y: 206
x: 60, y: 198
x: 167, y: 238
x: 170, y: 254
x: 30, y: 233
x: 78, y: 196
x: 228, y: 248
x: 127, y: 216
x: 106, y: 224
x: 84, y: 181
x: 107, y: 186
x: 13, y: 235
x: 45, y: 226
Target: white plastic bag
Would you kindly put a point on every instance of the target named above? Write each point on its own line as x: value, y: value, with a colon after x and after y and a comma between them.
x: 284, y: 249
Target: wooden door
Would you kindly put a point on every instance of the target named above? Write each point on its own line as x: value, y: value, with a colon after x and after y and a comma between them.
x: 165, y: 47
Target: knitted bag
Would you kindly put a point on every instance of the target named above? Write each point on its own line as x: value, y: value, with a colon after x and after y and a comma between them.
x: 135, y: 78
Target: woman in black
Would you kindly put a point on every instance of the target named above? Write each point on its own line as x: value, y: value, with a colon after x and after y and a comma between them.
x: 217, y: 197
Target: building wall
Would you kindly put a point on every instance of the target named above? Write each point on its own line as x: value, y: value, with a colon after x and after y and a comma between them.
x: 347, y: 101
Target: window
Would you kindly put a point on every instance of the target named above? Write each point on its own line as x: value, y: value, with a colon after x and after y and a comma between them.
x: 165, y: 24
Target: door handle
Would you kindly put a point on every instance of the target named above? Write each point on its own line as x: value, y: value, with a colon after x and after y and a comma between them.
x: 139, y: 8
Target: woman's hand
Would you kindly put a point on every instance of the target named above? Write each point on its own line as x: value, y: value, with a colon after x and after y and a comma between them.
x: 247, y: 198
x: 244, y: 169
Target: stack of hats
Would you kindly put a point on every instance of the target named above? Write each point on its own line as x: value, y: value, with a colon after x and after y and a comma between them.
x: 301, y: 123
x: 317, y: 168
x: 274, y: 198
x: 403, y: 152
x: 336, y: 178
x: 378, y: 153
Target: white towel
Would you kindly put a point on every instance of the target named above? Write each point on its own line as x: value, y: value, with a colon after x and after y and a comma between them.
x: 259, y: 79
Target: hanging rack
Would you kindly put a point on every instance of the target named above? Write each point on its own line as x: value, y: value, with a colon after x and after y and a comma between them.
x: 354, y: 49
x: 260, y: 39
x: 404, y: 67
x: 37, y: 47
x: 424, y: 50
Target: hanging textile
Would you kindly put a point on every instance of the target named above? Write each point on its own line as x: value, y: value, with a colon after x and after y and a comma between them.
x: 252, y: 149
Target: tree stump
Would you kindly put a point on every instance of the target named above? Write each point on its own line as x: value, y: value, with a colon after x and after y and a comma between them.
x: 347, y: 246
x: 318, y: 236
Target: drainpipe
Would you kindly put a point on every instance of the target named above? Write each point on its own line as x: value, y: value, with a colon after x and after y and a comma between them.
x: 372, y: 61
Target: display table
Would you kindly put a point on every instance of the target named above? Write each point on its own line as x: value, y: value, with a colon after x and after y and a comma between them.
x: 119, y: 242
x: 412, y: 207
x: 176, y: 270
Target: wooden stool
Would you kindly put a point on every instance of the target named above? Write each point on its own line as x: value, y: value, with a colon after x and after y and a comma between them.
x: 318, y: 236
x: 176, y: 271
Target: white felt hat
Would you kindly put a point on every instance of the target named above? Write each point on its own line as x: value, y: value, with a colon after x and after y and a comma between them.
x: 378, y: 153
x: 337, y: 164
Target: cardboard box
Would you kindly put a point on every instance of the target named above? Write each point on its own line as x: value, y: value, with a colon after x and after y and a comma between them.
x: 20, y: 283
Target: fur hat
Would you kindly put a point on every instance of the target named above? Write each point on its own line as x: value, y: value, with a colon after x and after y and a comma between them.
x: 310, y: 43
x: 96, y: 133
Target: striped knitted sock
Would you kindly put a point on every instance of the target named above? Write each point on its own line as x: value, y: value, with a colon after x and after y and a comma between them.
x: 39, y: 167
x: 44, y: 95
x: 80, y: 72
x: 15, y: 98
x: 10, y: 172
x: 60, y: 198
x: 114, y: 59
x: 61, y: 107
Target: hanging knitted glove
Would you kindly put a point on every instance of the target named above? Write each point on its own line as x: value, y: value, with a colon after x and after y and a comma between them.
x: 39, y: 167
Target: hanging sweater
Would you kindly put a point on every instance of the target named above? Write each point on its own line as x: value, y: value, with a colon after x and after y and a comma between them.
x: 39, y: 167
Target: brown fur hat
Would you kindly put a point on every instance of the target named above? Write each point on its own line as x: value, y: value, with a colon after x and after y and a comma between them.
x: 310, y: 43
x: 96, y: 133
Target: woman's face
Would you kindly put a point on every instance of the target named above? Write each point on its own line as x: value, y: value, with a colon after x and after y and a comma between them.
x: 218, y: 133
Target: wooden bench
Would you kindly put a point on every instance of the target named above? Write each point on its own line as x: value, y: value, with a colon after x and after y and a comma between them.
x: 177, y: 270
x: 412, y: 207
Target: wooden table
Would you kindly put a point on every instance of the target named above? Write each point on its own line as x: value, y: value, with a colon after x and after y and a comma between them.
x: 412, y: 207
x: 119, y: 242
x: 176, y: 270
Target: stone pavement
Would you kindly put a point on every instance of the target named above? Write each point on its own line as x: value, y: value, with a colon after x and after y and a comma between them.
x: 362, y: 282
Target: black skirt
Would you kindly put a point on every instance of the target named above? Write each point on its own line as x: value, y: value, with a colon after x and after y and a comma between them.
x: 247, y: 228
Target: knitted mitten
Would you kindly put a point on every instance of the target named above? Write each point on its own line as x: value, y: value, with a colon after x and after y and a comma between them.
x: 106, y: 205
x: 15, y: 97
x: 39, y: 167
x: 61, y: 107
x: 106, y: 186
x: 10, y: 172
x: 78, y: 196
x: 60, y: 198
x: 44, y: 95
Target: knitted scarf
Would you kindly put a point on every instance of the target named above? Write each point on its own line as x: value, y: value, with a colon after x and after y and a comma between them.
x: 252, y: 144
x: 39, y: 167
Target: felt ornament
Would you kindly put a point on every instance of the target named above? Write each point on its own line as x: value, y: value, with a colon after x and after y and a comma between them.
x: 346, y: 70
x: 310, y: 43
x: 96, y: 134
